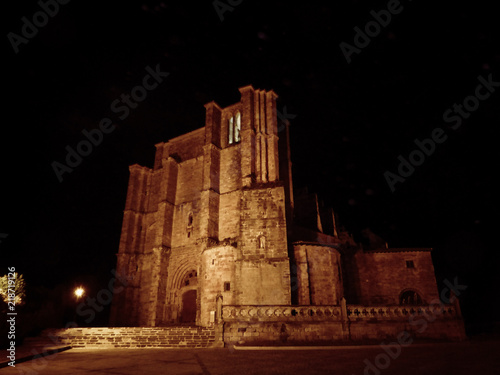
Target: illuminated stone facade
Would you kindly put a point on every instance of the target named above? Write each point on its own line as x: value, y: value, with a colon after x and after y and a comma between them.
x: 215, y: 224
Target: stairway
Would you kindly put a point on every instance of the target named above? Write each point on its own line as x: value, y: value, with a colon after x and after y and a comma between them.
x: 135, y: 337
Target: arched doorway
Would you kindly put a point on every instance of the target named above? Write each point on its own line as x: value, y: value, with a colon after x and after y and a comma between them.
x: 188, y: 312
x: 188, y: 306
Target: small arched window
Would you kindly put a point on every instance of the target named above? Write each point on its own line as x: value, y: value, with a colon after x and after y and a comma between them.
x: 237, y: 128
x: 234, y: 128
x: 410, y: 297
x: 231, y: 130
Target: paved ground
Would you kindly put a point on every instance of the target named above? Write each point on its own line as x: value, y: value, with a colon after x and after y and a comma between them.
x: 479, y: 357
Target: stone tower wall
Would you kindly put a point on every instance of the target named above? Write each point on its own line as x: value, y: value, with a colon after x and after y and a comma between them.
x: 217, y: 280
x: 202, y: 192
x: 319, y: 274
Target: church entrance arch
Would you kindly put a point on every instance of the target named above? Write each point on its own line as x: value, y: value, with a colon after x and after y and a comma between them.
x: 188, y: 308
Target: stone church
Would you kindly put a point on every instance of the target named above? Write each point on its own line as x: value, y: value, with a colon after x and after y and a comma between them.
x: 216, y: 231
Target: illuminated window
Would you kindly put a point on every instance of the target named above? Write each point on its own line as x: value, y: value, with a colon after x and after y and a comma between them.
x: 231, y: 130
x: 237, y: 128
x: 234, y: 129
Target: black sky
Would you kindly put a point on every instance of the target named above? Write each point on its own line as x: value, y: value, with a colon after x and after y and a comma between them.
x: 351, y: 121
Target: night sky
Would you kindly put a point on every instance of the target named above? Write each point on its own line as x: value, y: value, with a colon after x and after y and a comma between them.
x: 349, y: 122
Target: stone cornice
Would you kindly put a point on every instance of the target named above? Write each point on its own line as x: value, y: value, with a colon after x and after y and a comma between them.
x: 399, y: 250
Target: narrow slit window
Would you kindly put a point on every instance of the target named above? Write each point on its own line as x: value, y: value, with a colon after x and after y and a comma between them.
x: 231, y: 130
x: 189, y: 227
x: 237, y: 128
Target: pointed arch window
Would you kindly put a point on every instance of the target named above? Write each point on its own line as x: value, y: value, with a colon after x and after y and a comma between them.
x: 234, y: 128
x: 237, y: 128
x: 231, y: 130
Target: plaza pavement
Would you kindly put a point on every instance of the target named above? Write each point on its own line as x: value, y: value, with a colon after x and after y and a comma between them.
x: 468, y: 357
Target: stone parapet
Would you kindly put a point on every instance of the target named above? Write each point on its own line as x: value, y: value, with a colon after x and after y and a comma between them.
x: 281, y: 313
x: 332, y: 325
x: 358, y: 312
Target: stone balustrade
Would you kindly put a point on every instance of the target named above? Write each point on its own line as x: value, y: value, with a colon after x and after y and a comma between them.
x: 250, y: 313
x: 281, y: 313
x: 356, y: 312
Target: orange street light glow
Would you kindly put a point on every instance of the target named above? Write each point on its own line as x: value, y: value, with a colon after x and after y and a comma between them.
x: 79, y: 292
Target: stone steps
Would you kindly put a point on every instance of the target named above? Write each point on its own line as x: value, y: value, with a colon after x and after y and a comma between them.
x: 134, y: 337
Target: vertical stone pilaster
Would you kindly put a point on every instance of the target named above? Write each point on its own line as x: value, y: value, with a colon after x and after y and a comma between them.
x: 262, y: 156
x: 272, y: 137
x: 303, y: 282
x: 209, y: 220
x: 165, y: 207
x: 158, y: 285
x: 211, y: 167
x: 209, y: 214
x: 213, y: 124
x: 262, y: 159
x: 209, y: 223
x: 131, y: 241
x: 247, y: 135
x: 161, y: 152
x: 346, y: 327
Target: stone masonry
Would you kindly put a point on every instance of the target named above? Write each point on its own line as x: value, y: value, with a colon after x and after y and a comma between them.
x: 215, y: 226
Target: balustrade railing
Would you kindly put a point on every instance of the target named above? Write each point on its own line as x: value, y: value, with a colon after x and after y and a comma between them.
x: 399, y: 312
x: 281, y: 313
x: 332, y: 313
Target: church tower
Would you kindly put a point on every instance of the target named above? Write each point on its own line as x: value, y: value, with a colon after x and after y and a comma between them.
x: 208, y: 224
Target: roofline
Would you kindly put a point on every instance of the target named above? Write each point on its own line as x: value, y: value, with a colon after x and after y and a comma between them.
x: 185, y: 135
x: 400, y: 250
x: 334, y: 245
